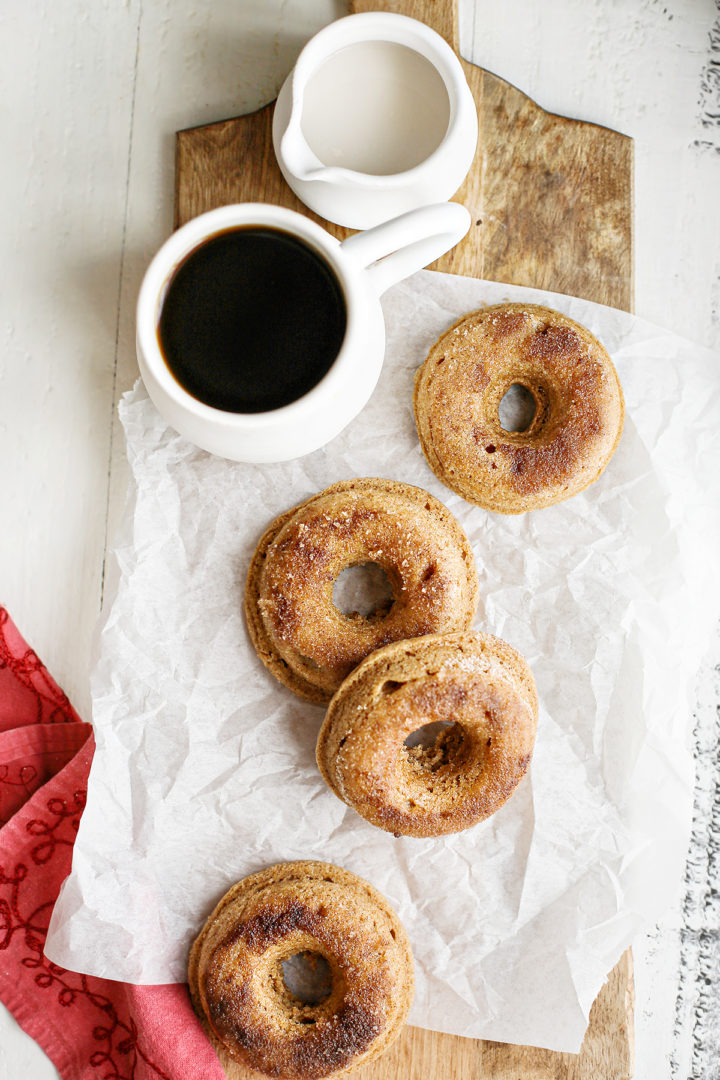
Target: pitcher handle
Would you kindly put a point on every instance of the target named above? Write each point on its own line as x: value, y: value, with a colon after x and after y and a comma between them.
x: 397, y: 248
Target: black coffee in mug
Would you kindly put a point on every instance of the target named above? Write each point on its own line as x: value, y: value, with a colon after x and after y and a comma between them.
x: 252, y: 319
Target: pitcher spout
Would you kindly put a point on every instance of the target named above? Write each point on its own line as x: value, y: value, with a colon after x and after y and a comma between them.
x: 303, y: 164
x: 298, y: 159
x: 296, y: 153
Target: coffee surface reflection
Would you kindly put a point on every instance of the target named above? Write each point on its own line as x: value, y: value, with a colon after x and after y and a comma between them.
x: 252, y: 320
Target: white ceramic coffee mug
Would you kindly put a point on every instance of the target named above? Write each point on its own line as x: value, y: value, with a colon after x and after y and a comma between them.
x: 364, y: 265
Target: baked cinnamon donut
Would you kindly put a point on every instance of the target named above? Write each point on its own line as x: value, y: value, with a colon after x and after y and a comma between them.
x: 298, y: 632
x: 329, y: 916
x: 478, y: 695
x: 579, y: 408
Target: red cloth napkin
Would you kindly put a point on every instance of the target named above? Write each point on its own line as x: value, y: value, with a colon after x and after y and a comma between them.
x: 92, y: 1029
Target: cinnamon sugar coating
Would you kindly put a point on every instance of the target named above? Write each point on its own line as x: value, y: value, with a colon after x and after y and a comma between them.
x: 236, y: 979
x: 479, y: 693
x: 299, y: 633
x: 579, y: 407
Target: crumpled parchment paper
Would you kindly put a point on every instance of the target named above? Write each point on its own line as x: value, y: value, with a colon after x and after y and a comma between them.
x: 205, y: 770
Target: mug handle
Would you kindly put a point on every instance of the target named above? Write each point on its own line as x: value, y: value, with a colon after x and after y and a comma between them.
x: 397, y: 248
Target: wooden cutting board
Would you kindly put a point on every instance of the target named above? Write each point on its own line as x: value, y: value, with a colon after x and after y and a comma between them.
x: 551, y: 201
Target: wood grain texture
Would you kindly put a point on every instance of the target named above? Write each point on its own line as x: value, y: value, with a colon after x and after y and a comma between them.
x: 552, y: 207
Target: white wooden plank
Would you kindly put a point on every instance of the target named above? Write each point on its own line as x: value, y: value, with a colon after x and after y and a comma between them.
x: 63, y: 186
x: 67, y: 82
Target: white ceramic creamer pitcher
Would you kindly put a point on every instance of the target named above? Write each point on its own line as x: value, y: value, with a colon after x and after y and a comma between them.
x: 362, y: 268
x: 375, y: 119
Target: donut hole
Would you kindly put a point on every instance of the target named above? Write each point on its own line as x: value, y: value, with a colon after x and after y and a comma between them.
x: 363, y: 591
x: 517, y: 408
x: 434, y: 746
x: 307, y: 977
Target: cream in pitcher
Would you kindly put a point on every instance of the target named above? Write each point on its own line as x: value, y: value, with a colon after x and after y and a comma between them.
x: 376, y: 107
x: 375, y: 119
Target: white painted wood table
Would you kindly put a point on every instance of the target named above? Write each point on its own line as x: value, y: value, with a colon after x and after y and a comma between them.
x: 92, y: 95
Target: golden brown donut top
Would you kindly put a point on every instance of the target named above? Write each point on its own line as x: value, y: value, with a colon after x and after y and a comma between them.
x: 480, y: 693
x: 404, y: 530
x: 311, y: 908
x: 578, y: 400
